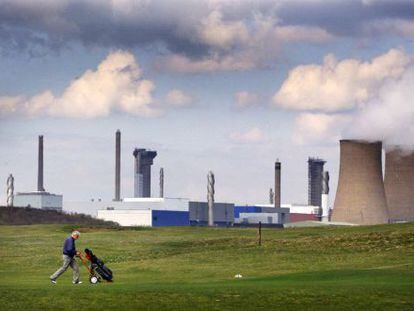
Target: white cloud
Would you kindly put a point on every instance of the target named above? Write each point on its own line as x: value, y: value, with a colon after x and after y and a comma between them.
x: 244, y: 99
x: 116, y: 85
x: 390, y: 117
x: 9, y: 104
x: 311, y: 128
x: 252, y: 136
x: 240, y: 45
x: 179, y: 99
x: 339, y: 85
x: 215, y: 32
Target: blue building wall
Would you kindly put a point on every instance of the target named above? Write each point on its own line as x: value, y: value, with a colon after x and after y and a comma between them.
x: 246, y: 209
x: 170, y: 218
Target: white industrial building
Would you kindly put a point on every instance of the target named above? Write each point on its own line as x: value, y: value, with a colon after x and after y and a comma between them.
x: 138, y: 211
x: 264, y: 218
x: 302, y: 209
x: 265, y: 214
x: 38, y: 199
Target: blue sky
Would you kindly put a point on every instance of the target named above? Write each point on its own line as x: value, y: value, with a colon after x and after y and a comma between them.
x: 223, y: 85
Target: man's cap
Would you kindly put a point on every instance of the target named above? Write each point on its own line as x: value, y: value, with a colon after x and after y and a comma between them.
x: 76, y: 233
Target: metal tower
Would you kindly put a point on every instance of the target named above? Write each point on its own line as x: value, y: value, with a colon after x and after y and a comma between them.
x: 10, y: 190
x: 210, y: 197
x: 142, y: 172
x: 315, y: 170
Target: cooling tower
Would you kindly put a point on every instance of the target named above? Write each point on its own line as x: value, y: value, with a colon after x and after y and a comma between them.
x: 360, y: 197
x: 399, y: 184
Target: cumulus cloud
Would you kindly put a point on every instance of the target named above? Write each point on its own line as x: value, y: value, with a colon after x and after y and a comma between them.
x: 116, y: 85
x: 316, y: 128
x: 216, y: 32
x: 236, y: 46
x: 9, y: 104
x: 252, y: 136
x: 207, y: 35
x: 383, y: 112
x: 245, y: 99
x: 196, y: 36
x: 339, y: 85
x: 179, y: 99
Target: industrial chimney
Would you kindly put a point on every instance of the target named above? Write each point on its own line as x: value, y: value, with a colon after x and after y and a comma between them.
x: 325, y: 197
x: 271, y: 197
x: 161, y: 182
x: 210, y: 197
x: 399, y: 184
x: 117, y: 166
x: 277, y: 183
x: 360, y: 197
x: 40, y: 187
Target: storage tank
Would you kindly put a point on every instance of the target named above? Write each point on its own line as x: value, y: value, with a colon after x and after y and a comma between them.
x: 360, y: 196
x: 399, y: 184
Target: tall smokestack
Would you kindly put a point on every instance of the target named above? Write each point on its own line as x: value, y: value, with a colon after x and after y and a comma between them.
x: 161, y: 182
x: 277, y: 183
x: 360, y: 196
x: 399, y: 184
x: 325, y: 197
x: 40, y: 166
x: 210, y: 197
x: 271, y: 196
x: 117, y: 166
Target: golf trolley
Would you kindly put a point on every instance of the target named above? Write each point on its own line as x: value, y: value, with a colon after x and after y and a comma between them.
x: 96, y: 267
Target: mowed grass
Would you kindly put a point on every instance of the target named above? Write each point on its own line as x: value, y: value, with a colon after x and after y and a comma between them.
x: 352, y: 268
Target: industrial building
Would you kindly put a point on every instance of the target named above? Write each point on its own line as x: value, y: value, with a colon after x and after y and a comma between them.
x: 40, y: 198
x: 315, y: 171
x: 267, y: 215
x: 360, y: 197
x: 141, y: 210
x: 156, y: 212
x: 223, y: 215
x: 142, y: 173
x: 399, y: 184
x: 36, y: 199
x: 152, y: 212
x: 302, y: 212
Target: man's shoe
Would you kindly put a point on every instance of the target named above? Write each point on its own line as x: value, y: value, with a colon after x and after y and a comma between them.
x: 53, y: 281
x: 78, y: 282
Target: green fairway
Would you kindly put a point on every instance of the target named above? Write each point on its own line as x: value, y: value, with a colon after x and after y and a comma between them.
x: 193, y: 268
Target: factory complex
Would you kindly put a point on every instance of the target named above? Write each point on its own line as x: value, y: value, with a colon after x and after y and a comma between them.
x: 363, y: 196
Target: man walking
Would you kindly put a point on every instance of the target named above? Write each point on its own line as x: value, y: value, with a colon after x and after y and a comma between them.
x: 69, y: 251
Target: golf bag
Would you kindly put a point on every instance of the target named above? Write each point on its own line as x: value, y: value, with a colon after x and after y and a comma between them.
x: 98, y: 269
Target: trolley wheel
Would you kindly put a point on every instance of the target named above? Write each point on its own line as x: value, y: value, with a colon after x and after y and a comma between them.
x: 93, y: 279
